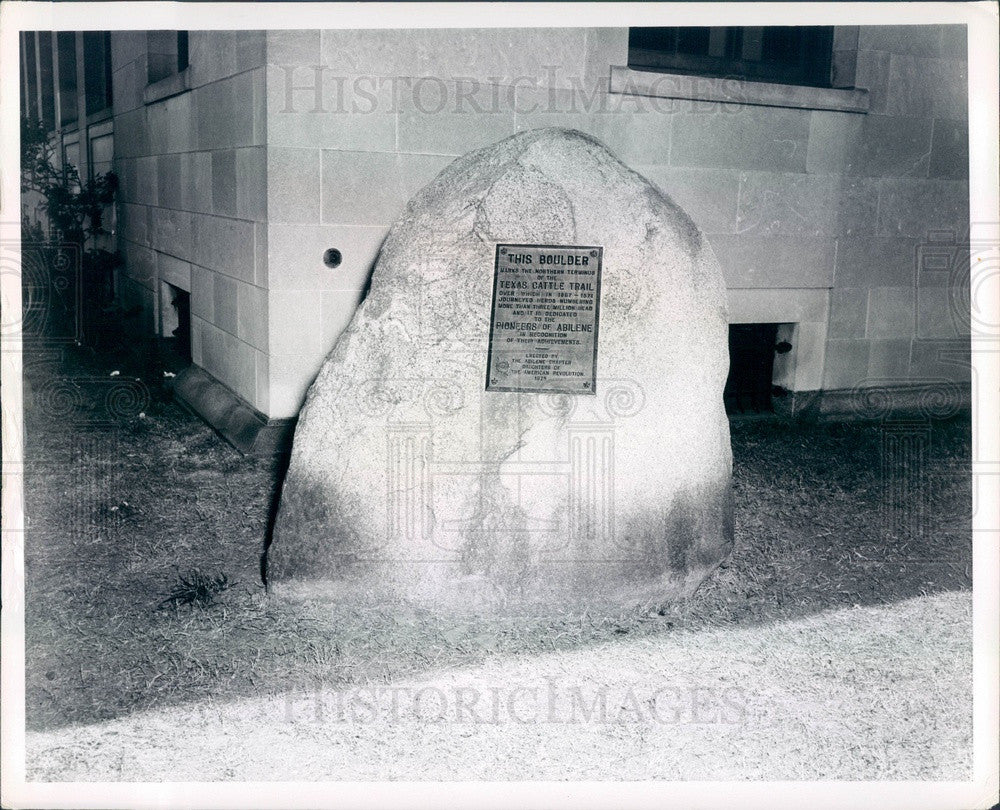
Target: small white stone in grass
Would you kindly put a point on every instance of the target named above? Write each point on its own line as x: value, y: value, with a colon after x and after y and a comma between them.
x: 115, y: 373
x: 142, y: 414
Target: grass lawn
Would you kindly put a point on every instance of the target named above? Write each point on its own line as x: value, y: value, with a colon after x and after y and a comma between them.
x: 861, y: 693
x: 831, y: 589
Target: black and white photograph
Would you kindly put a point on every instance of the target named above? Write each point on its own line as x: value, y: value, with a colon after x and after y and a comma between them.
x: 500, y: 405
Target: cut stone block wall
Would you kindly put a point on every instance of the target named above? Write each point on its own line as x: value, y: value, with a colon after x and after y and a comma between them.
x: 292, y: 142
x: 193, y: 200
x: 796, y: 202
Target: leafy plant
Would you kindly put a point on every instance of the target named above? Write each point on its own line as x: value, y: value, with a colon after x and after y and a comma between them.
x: 73, y: 211
x: 196, y: 588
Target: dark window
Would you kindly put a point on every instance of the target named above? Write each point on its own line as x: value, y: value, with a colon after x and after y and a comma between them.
x: 66, y: 45
x: 22, y: 75
x: 182, y: 50
x: 97, y: 70
x: 784, y: 54
x: 109, y: 98
x: 31, y: 95
x: 46, y: 77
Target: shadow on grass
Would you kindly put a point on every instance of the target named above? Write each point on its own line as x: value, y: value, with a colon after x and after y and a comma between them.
x: 122, y: 502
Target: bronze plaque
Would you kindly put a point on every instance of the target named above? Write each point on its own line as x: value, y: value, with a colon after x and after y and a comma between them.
x: 543, y: 326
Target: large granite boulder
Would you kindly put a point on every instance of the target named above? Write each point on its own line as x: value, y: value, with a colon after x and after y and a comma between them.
x: 410, y: 481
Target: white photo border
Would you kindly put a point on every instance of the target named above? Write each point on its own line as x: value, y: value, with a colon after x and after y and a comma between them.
x: 984, y: 181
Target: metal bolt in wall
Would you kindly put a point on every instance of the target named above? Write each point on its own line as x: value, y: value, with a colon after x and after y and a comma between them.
x: 332, y: 257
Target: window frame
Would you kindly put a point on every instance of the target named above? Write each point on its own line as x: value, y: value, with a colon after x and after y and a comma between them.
x: 167, y: 55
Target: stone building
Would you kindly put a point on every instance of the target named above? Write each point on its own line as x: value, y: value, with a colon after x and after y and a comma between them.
x: 260, y: 172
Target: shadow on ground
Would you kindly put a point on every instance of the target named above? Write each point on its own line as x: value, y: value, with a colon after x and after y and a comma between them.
x: 128, y: 496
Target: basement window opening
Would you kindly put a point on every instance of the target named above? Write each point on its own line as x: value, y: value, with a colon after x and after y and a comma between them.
x: 750, y: 386
x: 176, y: 326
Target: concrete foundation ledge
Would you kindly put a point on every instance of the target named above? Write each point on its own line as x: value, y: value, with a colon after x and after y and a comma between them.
x: 244, y: 427
x: 881, y: 399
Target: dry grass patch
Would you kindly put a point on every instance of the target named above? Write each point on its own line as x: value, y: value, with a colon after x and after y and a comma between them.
x: 121, y: 506
x: 873, y: 693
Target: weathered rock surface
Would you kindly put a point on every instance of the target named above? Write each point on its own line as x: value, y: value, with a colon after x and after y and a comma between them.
x: 409, y: 481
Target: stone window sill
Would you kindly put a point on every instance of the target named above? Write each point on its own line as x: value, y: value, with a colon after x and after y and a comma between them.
x: 173, y: 85
x: 99, y: 116
x: 735, y: 91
